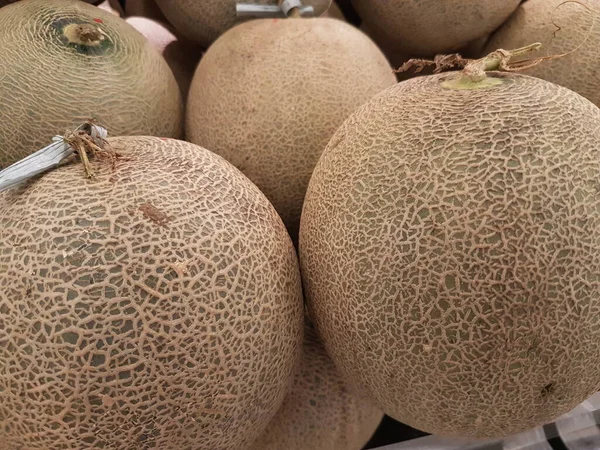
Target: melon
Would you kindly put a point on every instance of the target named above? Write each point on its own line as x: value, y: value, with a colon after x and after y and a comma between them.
x: 67, y: 62
x: 320, y: 412
x: 450, y: 252
x: 181, y: 55
x: 426, y: 28
x: 157, y: 305
x: 204, y: 21
x: 282, y: 87
x: 537, y: 21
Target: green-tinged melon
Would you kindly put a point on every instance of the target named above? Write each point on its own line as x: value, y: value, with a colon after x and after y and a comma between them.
x: 425, y: 28
x: 450, y: 248
x: 157, y: 305
x: 269, y: 94
x: 579, y: 33
x: 320, y: 412
x: 64, y: 62
x: 206, y: 20
x: 181, y: 55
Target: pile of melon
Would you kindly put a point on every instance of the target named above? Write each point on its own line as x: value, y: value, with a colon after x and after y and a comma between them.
x: 266, y: 224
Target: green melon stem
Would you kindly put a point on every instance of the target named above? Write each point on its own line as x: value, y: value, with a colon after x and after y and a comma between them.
x: 497, y: 60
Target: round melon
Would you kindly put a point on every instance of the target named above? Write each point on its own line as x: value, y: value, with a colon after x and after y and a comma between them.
x: 320, y: 412
x: 537, y: 21
x: 157, y: 305
x: 67, y: 62
x: 425, y: 28
x: 204, y: 21
x: 282, y: 87
x: 450, y: 249
x: 181, y: 55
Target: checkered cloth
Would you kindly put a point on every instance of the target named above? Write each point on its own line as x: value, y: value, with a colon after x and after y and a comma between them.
x: 576, y: 430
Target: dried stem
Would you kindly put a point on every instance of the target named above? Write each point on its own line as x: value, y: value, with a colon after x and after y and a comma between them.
x: 475, y: 69
x: 85, y: 147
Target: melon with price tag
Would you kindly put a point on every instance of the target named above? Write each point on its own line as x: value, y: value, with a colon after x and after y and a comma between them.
x: 157, y: 305
x: 204, y: 21
x: 282, y: 86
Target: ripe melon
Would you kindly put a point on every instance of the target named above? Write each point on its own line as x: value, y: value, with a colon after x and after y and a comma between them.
x: 282, y: 87
x: 67, y: 62
x: 533, y: 22
x: 320, y: 412
x: 156, y: 306
x: 206, y: 20
x: 181, y: 55
x: 425, y: 28
x: 450, y: 249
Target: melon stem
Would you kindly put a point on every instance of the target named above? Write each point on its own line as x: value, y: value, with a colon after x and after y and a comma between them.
x: 497, y: 60
x: 83, y: 33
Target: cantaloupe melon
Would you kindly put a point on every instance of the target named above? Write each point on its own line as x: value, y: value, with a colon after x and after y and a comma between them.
x: 157, y: 305
x: 206, y: 20
x: 425, y: 28
x: 537, y: 21
x: 450, y: 248
x: 320, y: 412
x: 282, y: 87
x: 181, y: 55
x: 64, y: 62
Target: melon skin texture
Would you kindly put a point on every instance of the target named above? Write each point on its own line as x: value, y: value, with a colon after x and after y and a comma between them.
x: 320, y: 412
x: 181, y: 55
x: 8, y: 2
x: 204, y: 21
x: 425, y: 28
x: 156, y: 306
x: 49, y: 85
x: 533, y: 22
x: 450, y: 253
x: 282, y: 87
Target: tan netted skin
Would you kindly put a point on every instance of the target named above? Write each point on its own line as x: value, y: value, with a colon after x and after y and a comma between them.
x: 282, y: 87
x: 157, y: 306
x: 204, y: 21
x: 320, y: 412
x: 450, y: 248
x: 48, y: 84
x: 6, y: 2
x: 579, y: 30
x: 428, y: 27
